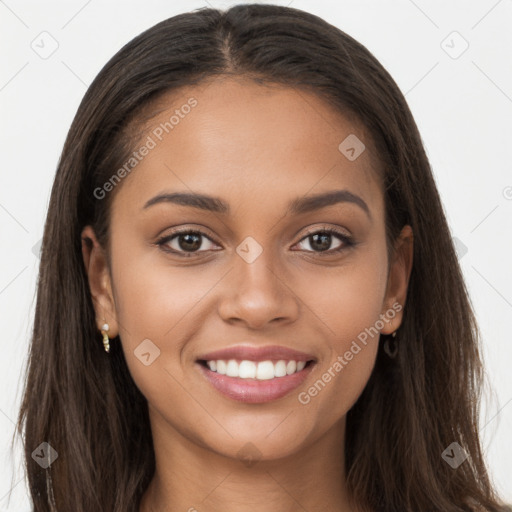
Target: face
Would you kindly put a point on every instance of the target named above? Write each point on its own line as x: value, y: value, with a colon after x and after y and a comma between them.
x: 281, y: 269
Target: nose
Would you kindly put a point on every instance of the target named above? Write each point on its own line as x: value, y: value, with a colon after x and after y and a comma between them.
x: 258, y: 294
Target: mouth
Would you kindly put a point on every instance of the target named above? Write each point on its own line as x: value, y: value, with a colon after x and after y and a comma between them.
x: 262, y: 370
x: 256, y: 375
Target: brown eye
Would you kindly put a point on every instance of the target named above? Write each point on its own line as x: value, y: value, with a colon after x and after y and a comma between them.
x: 186, y: 241
x: 321, y: 241
x: 189, y: 241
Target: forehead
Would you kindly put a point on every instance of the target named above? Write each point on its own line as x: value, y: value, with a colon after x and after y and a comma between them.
x: 234, y: 137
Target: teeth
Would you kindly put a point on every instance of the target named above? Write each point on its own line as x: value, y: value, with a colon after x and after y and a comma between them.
x: 232, y: 369
x: 291, y: 367
x: 247, y: 370
x: 280, y: 369
x: 263, y: 370
x: 221, y: 367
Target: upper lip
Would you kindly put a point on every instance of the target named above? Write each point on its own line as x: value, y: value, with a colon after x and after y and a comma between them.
x: 250, y: 353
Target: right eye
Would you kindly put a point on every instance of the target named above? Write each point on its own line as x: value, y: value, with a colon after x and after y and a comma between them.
x: 184, y: 242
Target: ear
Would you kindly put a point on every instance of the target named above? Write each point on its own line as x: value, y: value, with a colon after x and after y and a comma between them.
x: 398, y: 279
x: 96, y: 267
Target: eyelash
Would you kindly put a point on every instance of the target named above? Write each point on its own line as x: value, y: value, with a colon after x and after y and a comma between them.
x: 348, y: 241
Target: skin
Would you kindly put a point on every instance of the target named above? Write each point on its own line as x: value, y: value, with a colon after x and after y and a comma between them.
x: 257, y: 148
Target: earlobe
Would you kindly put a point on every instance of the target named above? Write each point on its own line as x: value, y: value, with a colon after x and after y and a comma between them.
x: 96, y: 268
x: 398, y: 279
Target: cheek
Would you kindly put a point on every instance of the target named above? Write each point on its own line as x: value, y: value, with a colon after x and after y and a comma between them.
x: 348, y: 309
x: 152, y: 298
x: 349, y: 300
x: 159, y: 303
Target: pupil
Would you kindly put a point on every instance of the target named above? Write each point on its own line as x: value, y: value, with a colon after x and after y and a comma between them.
x: 192, y: 241
x: 325, y: 241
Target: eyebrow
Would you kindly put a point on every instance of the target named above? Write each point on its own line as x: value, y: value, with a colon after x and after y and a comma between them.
x: 295, y: 207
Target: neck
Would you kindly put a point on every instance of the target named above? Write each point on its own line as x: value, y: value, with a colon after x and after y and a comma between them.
x: 192, y: 478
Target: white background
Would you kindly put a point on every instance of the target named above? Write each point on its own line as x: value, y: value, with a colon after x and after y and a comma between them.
x: 463, y: 107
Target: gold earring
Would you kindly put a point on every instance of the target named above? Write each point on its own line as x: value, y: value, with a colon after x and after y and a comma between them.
x: 104, y: 331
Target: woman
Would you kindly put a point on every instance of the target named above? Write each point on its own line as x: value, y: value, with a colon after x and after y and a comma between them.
x: 249, y: 298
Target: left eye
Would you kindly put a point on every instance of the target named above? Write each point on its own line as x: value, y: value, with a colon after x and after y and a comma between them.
x: 321, y: 241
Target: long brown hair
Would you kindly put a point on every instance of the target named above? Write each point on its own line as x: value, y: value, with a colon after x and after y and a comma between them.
x: 86, y: 405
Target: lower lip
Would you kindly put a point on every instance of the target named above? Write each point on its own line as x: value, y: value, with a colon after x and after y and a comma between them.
x: 252, y: 391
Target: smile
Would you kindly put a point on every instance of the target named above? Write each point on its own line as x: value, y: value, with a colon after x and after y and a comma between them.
x: 256, y: 374
x: 263, y: 370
